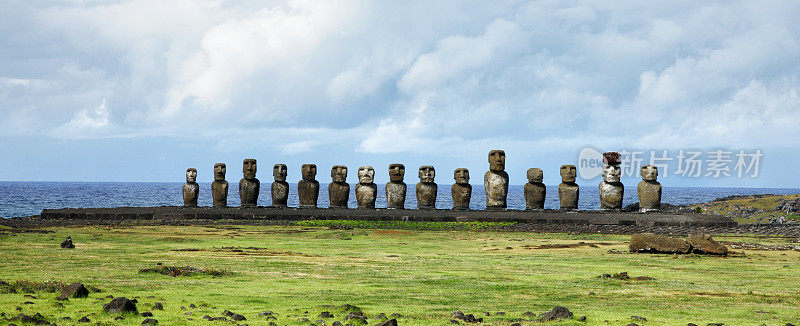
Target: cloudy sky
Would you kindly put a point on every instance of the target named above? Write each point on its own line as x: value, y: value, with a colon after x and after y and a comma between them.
x: 140, y: 90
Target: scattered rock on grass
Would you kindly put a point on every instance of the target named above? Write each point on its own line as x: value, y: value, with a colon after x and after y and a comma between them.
x: 557, y: 312
x: 325, y: 314
x: 120, y: 305
x: 84, y: 319
x: 67, y: 244
x: 149, y: 321
x: 74, y: 290
x: 470, y: 318
x: 158, y: 306
x: 390, y: 322
x: 147, y: 314
x: 36, y: 319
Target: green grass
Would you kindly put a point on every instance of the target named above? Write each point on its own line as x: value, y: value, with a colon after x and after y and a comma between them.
x: 419, y: 273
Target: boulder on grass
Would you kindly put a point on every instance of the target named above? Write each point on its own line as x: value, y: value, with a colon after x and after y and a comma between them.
x: 704, y: 244
x: 557, y: 312
x: 120, y: 305
x: 74, y: 290
x: 653, y: 243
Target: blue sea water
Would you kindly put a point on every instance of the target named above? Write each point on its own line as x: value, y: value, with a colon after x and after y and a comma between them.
x: 29, y: 198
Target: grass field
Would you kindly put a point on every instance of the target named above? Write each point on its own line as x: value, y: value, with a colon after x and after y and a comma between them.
x: 422, y: 274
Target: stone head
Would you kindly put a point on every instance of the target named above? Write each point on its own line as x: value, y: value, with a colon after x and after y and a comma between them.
x: 249, y: 168
x: 219, y: 171
x: 279, y: 171
x: 567, y: 173
x: 426, y: 173
x: 649, y: 172
x: 397, y: 172
x: 611, y: 172
x: 366, y: 174
x: 497, y: 160
x: 535, y: 175
x: 191, y: 175
x: 339, y: 173
x: 461, y: 175
x: 309, y: 171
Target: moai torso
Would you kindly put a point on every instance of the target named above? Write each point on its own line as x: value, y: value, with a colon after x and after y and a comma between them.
x: 249, y: 186
x: 568, y: 190
x: 495, y: 181
x: 649, y: 189
x: 396, y: 188
x: 191, y: 190
x: 366, y: 190
x: 426, y: 188
x: 535, y: 190
x: 339, y: 189
x: 308, y: 188
x: 461, y: 190
x: 279, y: 188
x: 219, y: 187
x: 611, y: 189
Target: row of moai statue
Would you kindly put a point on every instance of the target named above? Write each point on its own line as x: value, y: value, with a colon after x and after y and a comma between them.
x: 495, y: 185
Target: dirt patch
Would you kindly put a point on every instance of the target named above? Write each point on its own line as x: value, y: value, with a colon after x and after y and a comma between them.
x: 713, y: 294
x: 568, y: 245
x: 390, y: 232
x: 625, y: 277
x: 248, y: 251
x: 761, y: 247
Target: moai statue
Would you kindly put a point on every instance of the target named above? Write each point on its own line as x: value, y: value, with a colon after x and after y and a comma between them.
x: 426, y: 188
x: 191, y: 189
x: 366, y: 189
x: 396, y: 188
x: 339, y: 190
x: 308, y: 188
x: 219, y: 187
x: 249, y: 185
x: 649, y: 189
x: 495, y: 181
x: 535, y: 190
x: 611, y: 190
x: 280, y: 188
x: 568, y: 189
x: 461, y: 190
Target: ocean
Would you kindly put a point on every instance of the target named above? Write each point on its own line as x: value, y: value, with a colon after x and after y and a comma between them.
x: 29, y: 198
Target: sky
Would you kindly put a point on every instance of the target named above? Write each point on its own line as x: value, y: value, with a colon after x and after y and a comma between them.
x: 140, y: 90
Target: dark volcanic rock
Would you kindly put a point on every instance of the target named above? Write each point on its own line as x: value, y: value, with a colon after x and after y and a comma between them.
x: 67, y: 243
x: 149, y: 321
x: 470, y: 318
x: 84, y: 319
x: 652, y: 243
x: 557, y: 312
x: 158, y: 306
x: 352, y: 318
x: 390, y: 322
x: 704, y: 244
x: 36, y: 319
x: 120, y: 305
x: 147, y: 314
x: 237, y: 317
x: 74, y: 290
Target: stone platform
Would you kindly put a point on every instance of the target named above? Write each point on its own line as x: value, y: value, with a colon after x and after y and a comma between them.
x: 439, y: 215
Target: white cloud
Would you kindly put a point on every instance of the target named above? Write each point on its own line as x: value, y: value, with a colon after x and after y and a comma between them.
x: 405, y: 77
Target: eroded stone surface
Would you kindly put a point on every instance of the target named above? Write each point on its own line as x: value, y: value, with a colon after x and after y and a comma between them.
x: 653, y: 243
x: 426, y: 188
x: 704, y: 244
x: 339, y: 189
x: 396, y: 188
x: 191, y: 190
x: 308, y: 188
x: 366, y: 189
x: 568, y: 190
x: 461, y: 191
x: 279, y: 188
x: 219, y: 187
x: 649, y: 190
x: 249, y: 186
x: 535, y: 190
x: 495, y: 181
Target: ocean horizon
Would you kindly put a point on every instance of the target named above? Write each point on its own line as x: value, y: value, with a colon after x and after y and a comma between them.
x: 27, y: 198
